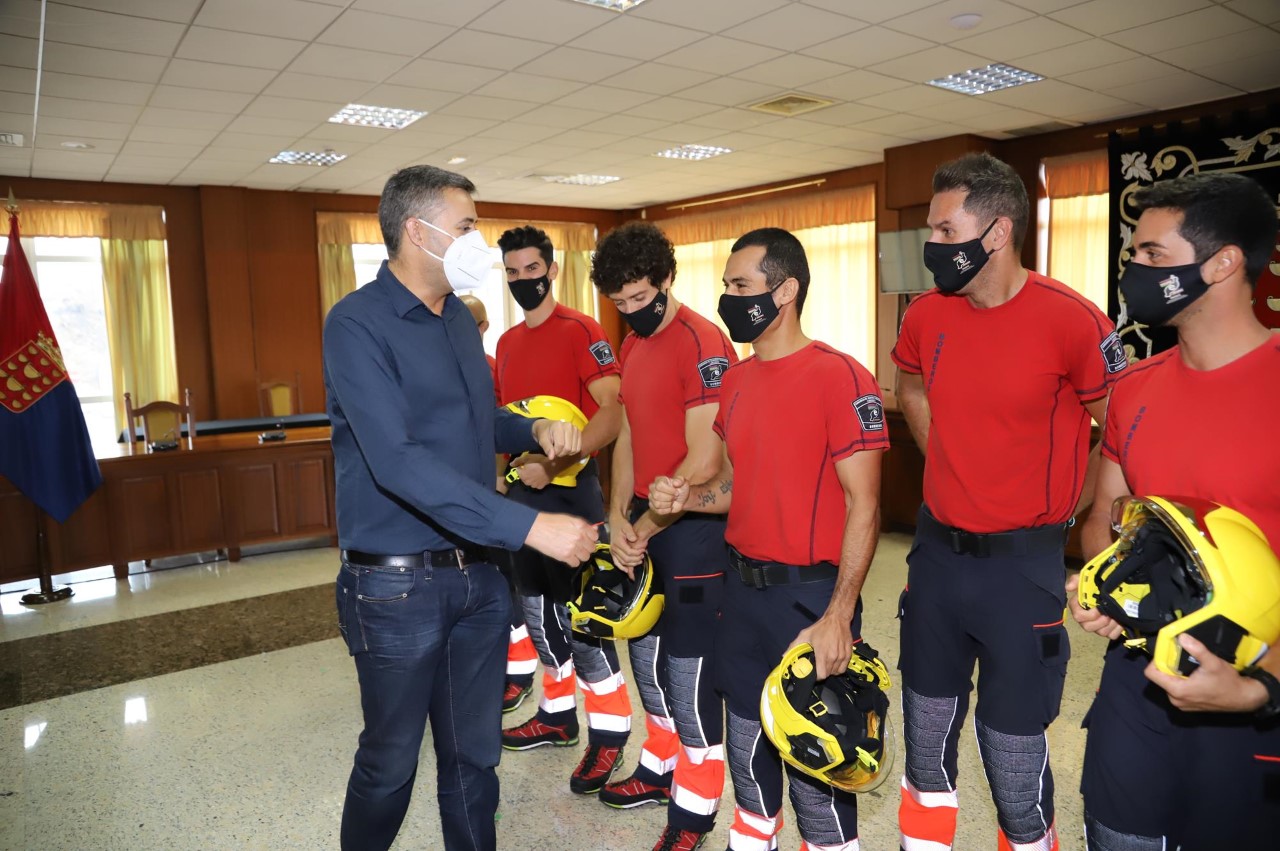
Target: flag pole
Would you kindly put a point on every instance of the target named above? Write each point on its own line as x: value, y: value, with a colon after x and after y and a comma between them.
x: 47, y: 593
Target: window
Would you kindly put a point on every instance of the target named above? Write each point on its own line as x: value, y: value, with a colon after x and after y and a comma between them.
x: 1073, y: 219
x: 69, y: 275
x: 840, y: 307
x: 368, y: 259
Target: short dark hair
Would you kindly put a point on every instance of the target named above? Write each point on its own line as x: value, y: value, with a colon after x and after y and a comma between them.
x: 414, y: 191
x: 527, y: 237
x: 994, y: 189
x: 629, y: 253
x: 1218, y: 208
x: 784, y: 258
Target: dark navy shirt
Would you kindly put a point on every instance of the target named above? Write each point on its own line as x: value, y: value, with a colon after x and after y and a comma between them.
x: 414, y: 426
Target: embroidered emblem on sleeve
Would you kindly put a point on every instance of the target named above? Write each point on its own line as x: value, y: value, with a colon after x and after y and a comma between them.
x: 870, y: 412
x: 602, y: 353
x: 711, y: 370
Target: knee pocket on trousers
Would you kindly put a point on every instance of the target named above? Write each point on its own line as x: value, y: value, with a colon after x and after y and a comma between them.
x: 1053, y: 649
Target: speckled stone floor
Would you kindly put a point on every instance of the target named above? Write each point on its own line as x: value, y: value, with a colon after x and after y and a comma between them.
x: 211, y: 707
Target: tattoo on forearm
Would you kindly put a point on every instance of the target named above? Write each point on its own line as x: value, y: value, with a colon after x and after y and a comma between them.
x: 726, y: 486
x: 706, y: 498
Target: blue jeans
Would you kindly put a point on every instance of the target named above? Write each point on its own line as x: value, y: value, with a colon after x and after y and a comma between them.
x: 429, y: 644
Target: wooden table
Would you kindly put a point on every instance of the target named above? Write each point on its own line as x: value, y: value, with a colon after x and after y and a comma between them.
x: 227, y: 492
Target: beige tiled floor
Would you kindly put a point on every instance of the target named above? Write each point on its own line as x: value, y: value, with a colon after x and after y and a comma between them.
x: 254, y: 753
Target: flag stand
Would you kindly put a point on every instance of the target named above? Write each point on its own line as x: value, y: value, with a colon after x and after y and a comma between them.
x: 47, y: 593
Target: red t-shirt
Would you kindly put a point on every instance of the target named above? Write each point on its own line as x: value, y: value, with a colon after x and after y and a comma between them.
x: 561, y: 357
x: 786, y: 423
x: 493, y: 369
x: 1176, y: 431
x: 663, y: 376
x: 1009, y: 436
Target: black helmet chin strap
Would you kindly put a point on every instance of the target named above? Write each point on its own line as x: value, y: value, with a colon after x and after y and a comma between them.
x: 1157, y: 560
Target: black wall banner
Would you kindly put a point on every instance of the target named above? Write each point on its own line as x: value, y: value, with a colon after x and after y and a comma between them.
x: 1246, y: 144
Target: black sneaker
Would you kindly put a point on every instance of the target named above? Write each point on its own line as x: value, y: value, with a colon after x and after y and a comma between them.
x: 593, y: 771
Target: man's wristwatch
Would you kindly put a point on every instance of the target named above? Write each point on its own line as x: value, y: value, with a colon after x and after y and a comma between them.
x: 1271, y: 708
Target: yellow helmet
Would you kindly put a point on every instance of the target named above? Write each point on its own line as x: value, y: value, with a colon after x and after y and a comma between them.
x: 609, y: 604
x: 551, y: 408
x: 836, y: 729
x: 1187, y: 565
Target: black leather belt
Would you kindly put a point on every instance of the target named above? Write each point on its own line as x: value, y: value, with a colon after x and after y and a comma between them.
x: 430, y: 558
x: 761, y: 574
x: 1039, y: 540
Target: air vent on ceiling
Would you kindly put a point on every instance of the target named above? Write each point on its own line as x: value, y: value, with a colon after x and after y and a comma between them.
x: 11, y: 140
x: 791, y: 104
x: 1037, y: 129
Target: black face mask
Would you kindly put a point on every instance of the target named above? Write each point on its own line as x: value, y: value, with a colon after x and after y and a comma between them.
x: 955, y: 264
x: 529, y: 292
x: 645, y: 320
x: 1155, y: 294
x: 746, y: 316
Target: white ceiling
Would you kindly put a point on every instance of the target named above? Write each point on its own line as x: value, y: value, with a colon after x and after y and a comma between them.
x: 192, y: 92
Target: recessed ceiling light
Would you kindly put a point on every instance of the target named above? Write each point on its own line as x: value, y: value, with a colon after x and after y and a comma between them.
x: 580, y: 179
x: 992, y: 78
x: 457, y: 160
x: 307, y: 158
x: 385, y: 117
x: 966, y: 21
x: 693, y: 152
x: 77, y: 146
x: 612, y: 5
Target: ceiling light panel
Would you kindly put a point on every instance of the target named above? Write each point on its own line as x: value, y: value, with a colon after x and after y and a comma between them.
x: 580, y: 179
x: 317, y: 158
x: 980, y: 81
x: 611, y: 5
x: 693, y: 152
x: 385, y: 117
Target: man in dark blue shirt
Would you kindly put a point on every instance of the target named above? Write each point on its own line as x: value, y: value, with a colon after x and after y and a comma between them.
x: 422, y: 607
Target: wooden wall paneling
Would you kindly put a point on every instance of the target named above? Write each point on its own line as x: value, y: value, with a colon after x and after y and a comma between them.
x: 229, y: 303
x: 909, y: 168
x: 86, y: 536
x: 902, y: 477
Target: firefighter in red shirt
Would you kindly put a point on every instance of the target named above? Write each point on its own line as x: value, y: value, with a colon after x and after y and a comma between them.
x: 804, y: 430
x: 481, y: 316
x: 561, y: 352
x: 673, y: 362
x: 1194, y: 764
x: 999, y: 372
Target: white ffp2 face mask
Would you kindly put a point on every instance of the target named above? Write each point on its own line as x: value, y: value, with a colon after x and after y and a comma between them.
x: 467, y: 260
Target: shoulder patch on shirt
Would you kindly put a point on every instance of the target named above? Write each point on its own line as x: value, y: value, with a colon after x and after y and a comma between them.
x: 870, y: 412
x: 712, y: 370
x: 602, y: 352
x: 1113, y: 353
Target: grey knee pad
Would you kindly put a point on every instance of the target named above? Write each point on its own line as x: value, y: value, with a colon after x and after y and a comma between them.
x: 532, y: 607
x: 644, y: 667
x: 685, y: 677
x: 743, y: 740
x: 1099, y: 837
x: 1021, y: 782
x: 589, y: 657
x: 820, y: 819
x: 929, y: 722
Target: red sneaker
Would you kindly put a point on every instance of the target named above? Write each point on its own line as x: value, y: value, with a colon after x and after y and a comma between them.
x: 593, y: 772
x: 533, y: 733
x: 514, y: 696
x: 633, y: 792
x: 679, y: 840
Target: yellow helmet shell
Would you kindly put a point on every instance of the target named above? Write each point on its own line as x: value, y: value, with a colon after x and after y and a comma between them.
x: 551, y: 408
x: 609, y: 605
x: 854, y: 760
x: 1230, y: 571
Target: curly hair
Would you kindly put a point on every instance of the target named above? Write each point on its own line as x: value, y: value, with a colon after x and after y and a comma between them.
x: 630, y: 253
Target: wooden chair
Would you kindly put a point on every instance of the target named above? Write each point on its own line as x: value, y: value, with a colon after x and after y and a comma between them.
x: 280, y: 398
x: 161, y: 421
